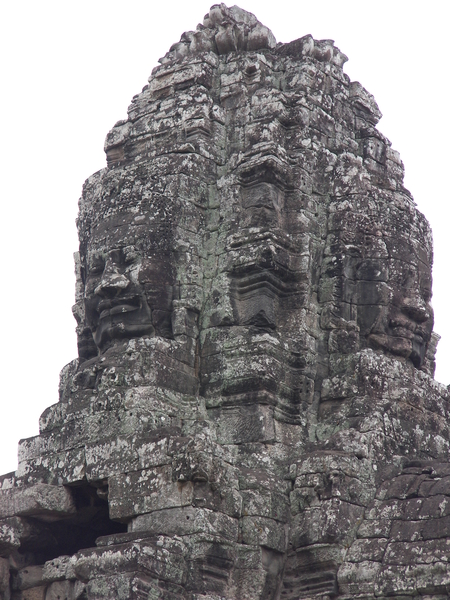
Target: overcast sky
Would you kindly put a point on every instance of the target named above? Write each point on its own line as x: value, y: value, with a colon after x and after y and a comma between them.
x: 69, y: 71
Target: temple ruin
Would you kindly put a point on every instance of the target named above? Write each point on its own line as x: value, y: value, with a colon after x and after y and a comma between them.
x: 252, y: 414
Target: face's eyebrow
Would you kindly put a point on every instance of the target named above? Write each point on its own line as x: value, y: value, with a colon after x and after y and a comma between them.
x: 95, y: 256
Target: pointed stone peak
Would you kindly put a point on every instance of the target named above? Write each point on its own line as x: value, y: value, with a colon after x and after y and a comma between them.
x: 224, y: 30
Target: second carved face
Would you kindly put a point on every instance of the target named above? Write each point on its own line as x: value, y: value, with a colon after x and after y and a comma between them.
x: 403, y: 327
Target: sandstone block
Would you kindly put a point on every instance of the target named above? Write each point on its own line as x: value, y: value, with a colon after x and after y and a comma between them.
x: 4, y: 575
x: 358, y: 578
x: 261, y: 531
x: 163, y: 558
x: 58, y: 569
x: 60, y: 590
x: 46, y: 502
x: 146, y: 491
x: 37, y: 593
x: 186, y: 521
x: 251, y: 424
x: 29, y: 577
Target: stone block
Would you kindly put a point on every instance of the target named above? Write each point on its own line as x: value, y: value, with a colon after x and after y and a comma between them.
x: 60, y: 590
x: 261, y: 531
x: 58, y: 569
x: 36, y: 593
x: 132, y: 586
x: 163, y: 558
x: 375, y: 528
x: 28, y: 577
x: 106, y: 588
x: 366, y: 550
x: 332, y: 521
x: 245, y: 423
x: 403, y: 486
x: 41, y: 501
x: 228, y: 501
x: 4, y: 575
x: 417, y: 553
x: 58, y: 468
x: 10, y: 534
x: 385, y: 509
x: 433, y: 577
x: 146, y: 491
x: 110, y: 456
x: 186, y: 521
x: 395, y: 580
x: 265, y: 504
x: 249, y: 583
x: 358, y: 578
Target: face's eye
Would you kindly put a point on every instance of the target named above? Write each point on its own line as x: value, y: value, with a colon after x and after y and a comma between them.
x: 130, y: 255
x: 426, y: 293
x: 96, y: 266
x: 115, y: 257
x: 408, y: 279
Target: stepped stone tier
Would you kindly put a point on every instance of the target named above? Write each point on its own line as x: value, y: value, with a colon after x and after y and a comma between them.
x: 253, y: 413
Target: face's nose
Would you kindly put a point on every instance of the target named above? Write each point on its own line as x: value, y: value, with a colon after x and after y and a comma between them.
x: 416, y: 308
x: 112, y: 282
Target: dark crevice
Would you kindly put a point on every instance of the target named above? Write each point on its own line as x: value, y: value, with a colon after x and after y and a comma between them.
x: 68, y: 536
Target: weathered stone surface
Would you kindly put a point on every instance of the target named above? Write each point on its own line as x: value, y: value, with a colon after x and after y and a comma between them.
x: 60, y: 590
x: 37, y: 593
x: 10, y: 535
x: 252, y: 414
x: 40, y: 501
x: 146, y: 491
x: 28, y: 577
x: 4, y: 575
x: 59, y: 568
x: 187, y: 521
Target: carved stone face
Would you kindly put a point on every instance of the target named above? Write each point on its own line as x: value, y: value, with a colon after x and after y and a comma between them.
x: 404, y: 326
x: 376, y: 278
x: 116, y: 305
x: 128, y: 293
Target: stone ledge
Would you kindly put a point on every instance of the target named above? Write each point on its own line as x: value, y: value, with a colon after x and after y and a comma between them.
x: 42, y: 501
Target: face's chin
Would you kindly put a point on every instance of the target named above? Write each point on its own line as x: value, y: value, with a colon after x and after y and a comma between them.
x: 119, y: 318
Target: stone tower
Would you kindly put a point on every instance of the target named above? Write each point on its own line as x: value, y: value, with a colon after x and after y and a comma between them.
x: 253, y: 413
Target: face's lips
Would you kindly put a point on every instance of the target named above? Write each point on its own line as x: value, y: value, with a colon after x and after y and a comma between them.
x: 402, y: 323
x: 115, y: 306
x: 418, y: 337
x: 403, y: 326
x: 123, y: 308
x: 402, y: 332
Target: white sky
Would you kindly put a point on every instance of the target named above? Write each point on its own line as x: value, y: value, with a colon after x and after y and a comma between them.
x: 69, y: 71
